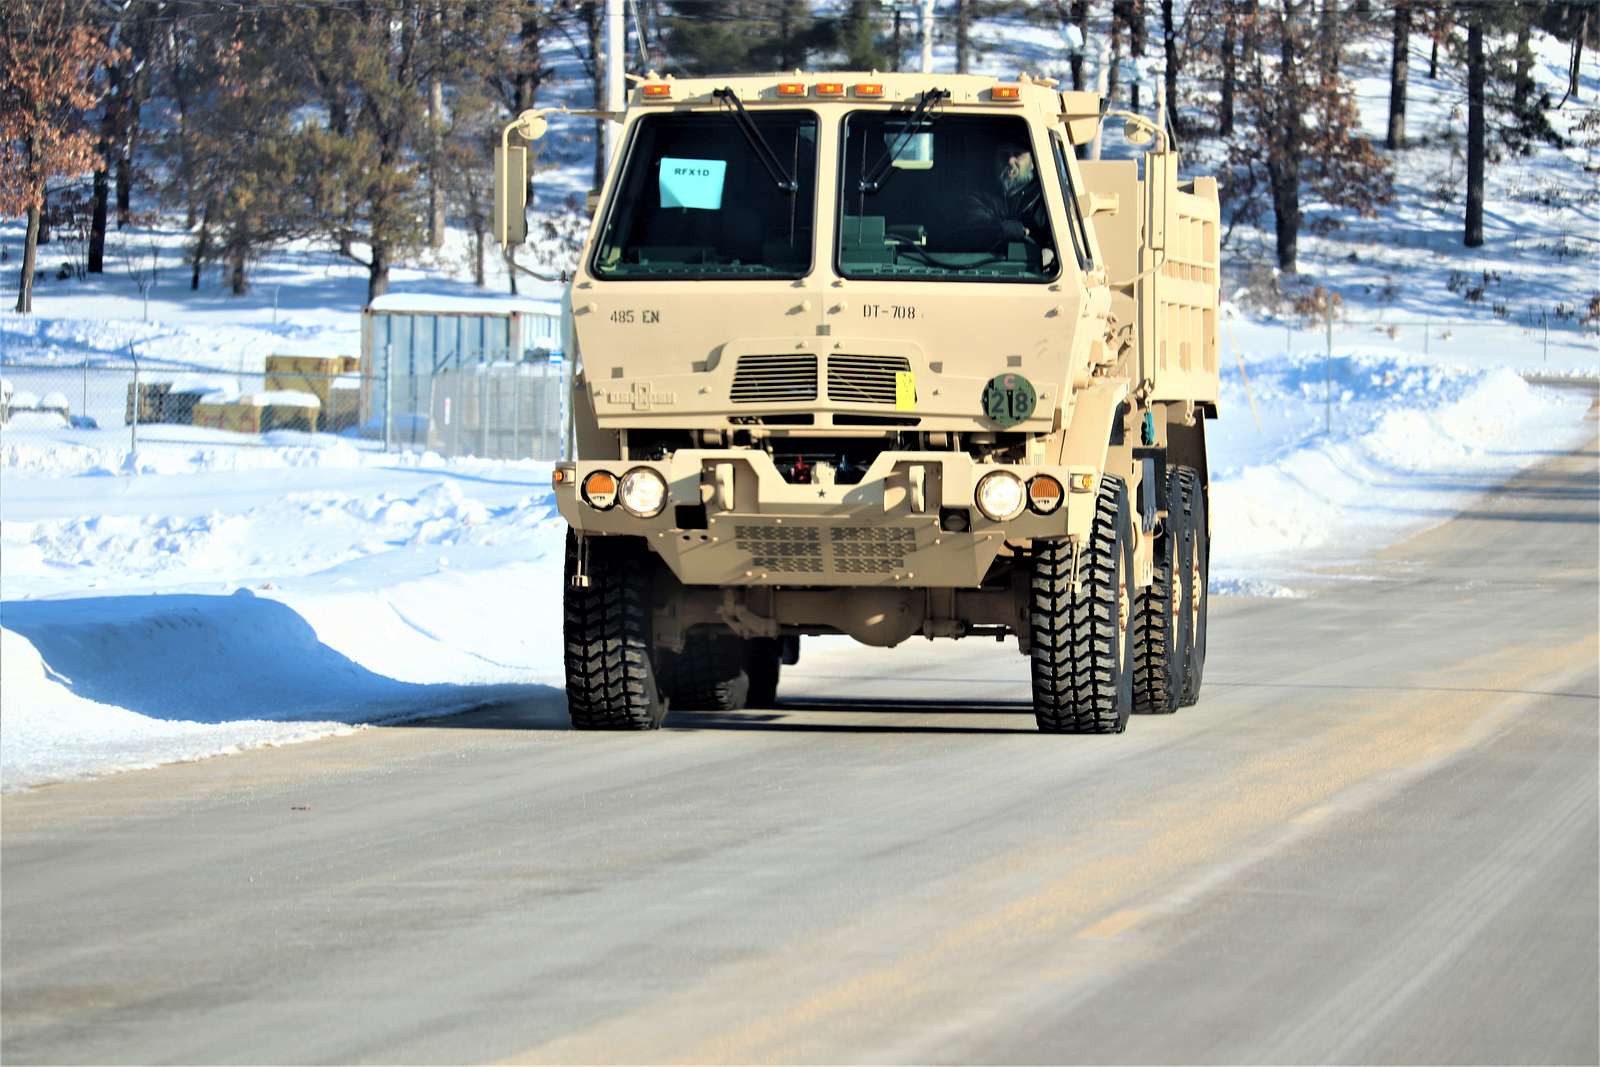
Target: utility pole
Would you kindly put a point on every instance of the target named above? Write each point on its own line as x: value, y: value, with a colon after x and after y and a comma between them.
x: 927, y: 36
x: 615, y: 37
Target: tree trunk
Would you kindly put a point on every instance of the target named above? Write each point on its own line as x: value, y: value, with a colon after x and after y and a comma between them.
x: 1285, y: 178
x: 1331, y: 37
x: 1433, y: 61
x: 1522, y: 83
x: 1577, y: 55
x: 894, y: 59
x: 1230, y: 73
x: 1079, y: 17
x: 1247, y: 39
x: 1475, y: 78
x: 593, y: 14
x: 1136, y: 39
x: 1113, y: 74
x: 963, y: 35
x: 435, y: 171
x: 124, y: 190
x: 1169, y: 44
x: 1283, y: 160
x: 1397, y: 76
x: 477, y: 252
x: 378, y: 272
x: 202, y: 250
x: 238, y: 277
x: 30, y: 248
x: 97, y: 222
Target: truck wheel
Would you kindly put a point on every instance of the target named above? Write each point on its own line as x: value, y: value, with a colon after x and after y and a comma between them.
x: 1160, y: 631
x: 1196, y: 594
x: 764, y: 663
x: 611, y: 677
x: 1082, y: 642
x: 710, y: 673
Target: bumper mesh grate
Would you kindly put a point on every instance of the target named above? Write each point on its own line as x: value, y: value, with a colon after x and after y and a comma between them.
x: 871, y: 550
x: 787, y: 549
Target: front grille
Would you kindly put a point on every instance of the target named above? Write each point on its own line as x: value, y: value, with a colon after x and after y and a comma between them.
x: 775, y: 379
x: 864, y: 379
x: 787, y: 549
x: 871, y: 549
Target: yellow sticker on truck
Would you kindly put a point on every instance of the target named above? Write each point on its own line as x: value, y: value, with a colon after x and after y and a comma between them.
x: 905, y: 390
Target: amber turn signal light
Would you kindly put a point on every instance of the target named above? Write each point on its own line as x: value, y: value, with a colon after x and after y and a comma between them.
x: 600, y: 489
x: 1044, y: 494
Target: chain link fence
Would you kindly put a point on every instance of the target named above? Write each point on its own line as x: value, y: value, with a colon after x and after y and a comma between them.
x: 490, y: 407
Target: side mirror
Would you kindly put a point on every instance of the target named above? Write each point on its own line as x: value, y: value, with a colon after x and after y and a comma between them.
x: 1138, y: 133
x: 510, y: 195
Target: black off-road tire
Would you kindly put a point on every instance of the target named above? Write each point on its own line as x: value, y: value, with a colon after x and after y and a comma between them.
x: 709, y: 674
x: 611, y: 673
x: 763, y: 663
x: 1196, y: 569
x: 1082, y: 646
x: 1160, y: 627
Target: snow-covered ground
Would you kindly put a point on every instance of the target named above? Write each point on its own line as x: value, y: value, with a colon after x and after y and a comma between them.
x: 196, y: 597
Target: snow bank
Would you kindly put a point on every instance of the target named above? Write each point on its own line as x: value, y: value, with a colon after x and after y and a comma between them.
x: 1411, y: 445
x: 114, y: 683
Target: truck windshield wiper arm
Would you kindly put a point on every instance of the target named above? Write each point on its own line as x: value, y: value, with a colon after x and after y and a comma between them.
x: 874, y: 179
x: 758, y: 144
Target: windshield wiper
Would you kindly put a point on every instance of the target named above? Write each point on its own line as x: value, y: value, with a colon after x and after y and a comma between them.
x: 874, y: 179
x: 758, y: 143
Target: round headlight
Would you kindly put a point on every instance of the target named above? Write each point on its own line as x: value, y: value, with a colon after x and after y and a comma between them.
x: 1001, y: 496
x: 643, y: 492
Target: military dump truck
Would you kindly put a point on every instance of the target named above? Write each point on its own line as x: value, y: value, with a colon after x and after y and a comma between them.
x: 877, y: 355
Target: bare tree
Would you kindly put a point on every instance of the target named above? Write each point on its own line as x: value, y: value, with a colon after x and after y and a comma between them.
x: 47, y: 59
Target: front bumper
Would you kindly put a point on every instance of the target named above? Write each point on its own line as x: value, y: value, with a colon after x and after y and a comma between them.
x: 760, y: 530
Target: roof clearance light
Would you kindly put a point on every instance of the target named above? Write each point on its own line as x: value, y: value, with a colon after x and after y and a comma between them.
x: 1006, y: 92
x: 869, y: 89
x: 830, y: 88
x: 657, y: 90
x: 791, y: 88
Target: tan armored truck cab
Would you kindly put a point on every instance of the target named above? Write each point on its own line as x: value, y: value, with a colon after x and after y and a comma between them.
x: 876, y: 354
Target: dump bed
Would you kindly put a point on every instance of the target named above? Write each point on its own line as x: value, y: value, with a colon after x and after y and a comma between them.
x: 1161, y: 247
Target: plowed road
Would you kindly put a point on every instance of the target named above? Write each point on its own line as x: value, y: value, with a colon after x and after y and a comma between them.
x: 1375, y: 839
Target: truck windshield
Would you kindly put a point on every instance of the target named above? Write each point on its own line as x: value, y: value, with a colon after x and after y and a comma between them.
x: 961, y: 200
x: 696, y: 201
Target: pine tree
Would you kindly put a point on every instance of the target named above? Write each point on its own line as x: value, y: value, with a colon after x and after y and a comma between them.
x: 48, y: 56
x: 372, y: 65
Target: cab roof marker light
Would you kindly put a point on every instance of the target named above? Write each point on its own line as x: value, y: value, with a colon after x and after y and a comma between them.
x: 1006, y: 92
x: 791, y: 88
x: 830, y: 88
x: 656, y: 90
x: 869, y: 88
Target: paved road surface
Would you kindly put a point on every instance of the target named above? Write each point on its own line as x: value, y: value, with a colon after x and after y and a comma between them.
x: 1375, y: 840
